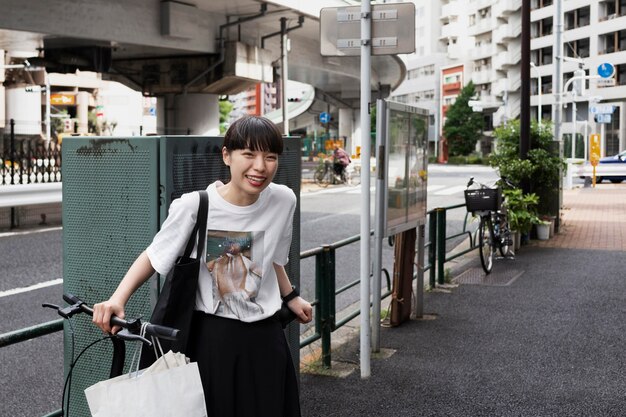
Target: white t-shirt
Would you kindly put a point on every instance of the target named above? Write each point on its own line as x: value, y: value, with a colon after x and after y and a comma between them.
x: 237, y: 277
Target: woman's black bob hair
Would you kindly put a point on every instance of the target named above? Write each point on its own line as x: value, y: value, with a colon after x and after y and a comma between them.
x: 255, y: 133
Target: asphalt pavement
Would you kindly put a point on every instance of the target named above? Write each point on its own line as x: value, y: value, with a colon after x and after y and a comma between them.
x: 542, y: 336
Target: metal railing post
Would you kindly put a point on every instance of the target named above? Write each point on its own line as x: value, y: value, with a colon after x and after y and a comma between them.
x: 325, y: 278
x: 432, y: 247
x: 441, y: 244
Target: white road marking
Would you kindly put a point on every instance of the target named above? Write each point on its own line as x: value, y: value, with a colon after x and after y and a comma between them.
x: 27, y: 232
x: 15, y: 291
x: 451, y: 190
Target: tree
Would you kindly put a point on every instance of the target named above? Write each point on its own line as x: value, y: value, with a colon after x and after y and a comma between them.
x: 463, y: 126
x: 225, y: 108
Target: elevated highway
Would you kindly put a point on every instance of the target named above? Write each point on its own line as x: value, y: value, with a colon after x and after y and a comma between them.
x: 189, y: 53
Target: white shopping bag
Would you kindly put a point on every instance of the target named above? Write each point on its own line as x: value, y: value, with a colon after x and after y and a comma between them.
x: 171, y: 387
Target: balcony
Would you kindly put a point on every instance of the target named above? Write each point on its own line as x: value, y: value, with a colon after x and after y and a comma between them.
x: 450, y: 30
x: 504, y: 33
x: 484, y: 25
x: 510, y: 58
x: 450, y: 9
x: 482, y: 77
x: 483, y: 51
x: 451, y: 87
x: 506, y: 7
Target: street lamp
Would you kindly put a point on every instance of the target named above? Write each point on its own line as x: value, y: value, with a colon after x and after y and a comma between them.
x: 532, y: 65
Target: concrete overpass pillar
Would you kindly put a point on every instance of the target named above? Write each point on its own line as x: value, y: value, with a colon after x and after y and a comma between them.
x: 82, y: 111
x: 346, y: 128
x: 197, y: 114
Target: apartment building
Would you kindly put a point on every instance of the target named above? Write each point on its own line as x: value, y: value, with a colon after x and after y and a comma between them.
x: 594, y: 32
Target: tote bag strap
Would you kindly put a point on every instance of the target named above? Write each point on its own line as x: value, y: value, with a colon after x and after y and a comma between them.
x: 200, y: 227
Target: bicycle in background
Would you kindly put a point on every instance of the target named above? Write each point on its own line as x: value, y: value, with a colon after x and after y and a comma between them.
x: 325, y: 174
x: 493, y: 231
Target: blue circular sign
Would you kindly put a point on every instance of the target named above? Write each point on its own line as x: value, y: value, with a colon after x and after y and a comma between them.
x: 324, y: 117
x: 606, y: 70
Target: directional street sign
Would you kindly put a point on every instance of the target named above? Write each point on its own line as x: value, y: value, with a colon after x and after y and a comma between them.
x: 603, y: 118
x: 393, y: 30
x: 602, y: 109
x: 324, y: 117
x: 606, y: 70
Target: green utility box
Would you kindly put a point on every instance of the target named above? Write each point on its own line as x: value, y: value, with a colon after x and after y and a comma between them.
x: 116, y: 194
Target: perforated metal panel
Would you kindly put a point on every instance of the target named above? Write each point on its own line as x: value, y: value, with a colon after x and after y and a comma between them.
x: 116, y: 193
x: 110, y: 202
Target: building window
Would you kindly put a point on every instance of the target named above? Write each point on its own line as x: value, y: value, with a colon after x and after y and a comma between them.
x: 611, y: 9
x: 542, y: 56
x: 542, y: 27
x: 577, y: 18
x: 612, y: 42
x: 538, y: 4
x: 577, y: 49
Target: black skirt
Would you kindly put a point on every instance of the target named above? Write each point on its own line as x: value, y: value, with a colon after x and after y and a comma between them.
x: 246, y: 368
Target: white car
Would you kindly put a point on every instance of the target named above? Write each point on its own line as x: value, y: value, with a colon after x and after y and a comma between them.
x: 612, y: 168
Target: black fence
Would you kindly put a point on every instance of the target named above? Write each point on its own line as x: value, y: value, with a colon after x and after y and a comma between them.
x: 28, y: 160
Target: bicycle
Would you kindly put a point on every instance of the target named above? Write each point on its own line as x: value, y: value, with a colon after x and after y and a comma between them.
x: 326, y: 175
x: 493, y: 230
x: 132, y: 330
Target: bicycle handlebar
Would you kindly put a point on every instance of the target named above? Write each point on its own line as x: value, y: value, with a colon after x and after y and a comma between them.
x: 134, y: 325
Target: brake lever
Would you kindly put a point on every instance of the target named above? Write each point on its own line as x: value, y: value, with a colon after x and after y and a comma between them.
x: 124, y: 334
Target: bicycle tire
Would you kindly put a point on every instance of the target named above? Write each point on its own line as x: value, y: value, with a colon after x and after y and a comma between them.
x: 355, y: 178
x: 505, y: 235
x: 485, y: 244
x: 319, y: 177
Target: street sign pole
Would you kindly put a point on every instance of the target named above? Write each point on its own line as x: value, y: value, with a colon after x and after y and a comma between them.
x: 366, y: 29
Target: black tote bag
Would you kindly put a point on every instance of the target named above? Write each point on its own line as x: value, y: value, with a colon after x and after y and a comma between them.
x: 175, y: 305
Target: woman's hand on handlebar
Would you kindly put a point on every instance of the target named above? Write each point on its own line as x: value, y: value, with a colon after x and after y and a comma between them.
x: 102, y: 313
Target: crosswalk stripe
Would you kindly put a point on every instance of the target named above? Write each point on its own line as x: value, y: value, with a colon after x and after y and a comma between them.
x: 451, y: 190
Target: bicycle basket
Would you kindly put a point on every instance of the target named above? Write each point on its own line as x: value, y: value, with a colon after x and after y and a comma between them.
x: 483, y: 199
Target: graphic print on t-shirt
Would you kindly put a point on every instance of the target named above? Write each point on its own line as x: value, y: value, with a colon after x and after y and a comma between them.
x: 235, y: 262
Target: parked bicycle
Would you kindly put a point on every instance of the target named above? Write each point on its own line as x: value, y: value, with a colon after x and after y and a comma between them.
x: 132, y: 330
x: 326, y: 174
x: 493, y: 231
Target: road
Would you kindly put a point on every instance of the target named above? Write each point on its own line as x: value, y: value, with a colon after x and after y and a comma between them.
x: 31, y: 372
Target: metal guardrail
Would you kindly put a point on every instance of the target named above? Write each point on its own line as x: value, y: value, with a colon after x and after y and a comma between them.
x: 30, y: 194
x: 436, y: 247
x: 325, y: 315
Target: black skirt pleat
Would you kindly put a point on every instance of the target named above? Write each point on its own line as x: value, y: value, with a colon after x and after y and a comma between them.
x: 246, y: 368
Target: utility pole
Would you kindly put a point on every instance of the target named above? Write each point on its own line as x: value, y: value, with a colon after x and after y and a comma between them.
x: 524, y: 142
x: 557, y: 78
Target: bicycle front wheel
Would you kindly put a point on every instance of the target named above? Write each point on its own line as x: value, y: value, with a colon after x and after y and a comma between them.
x: 506, y: 240
x: 320, y: 177
x: 485, y: 244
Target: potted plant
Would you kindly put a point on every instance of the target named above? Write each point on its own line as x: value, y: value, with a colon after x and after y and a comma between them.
x: 543, y: 230
x: 521, y: 210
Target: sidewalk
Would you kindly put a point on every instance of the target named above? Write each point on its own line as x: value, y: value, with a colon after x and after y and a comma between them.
x: 548, y: 343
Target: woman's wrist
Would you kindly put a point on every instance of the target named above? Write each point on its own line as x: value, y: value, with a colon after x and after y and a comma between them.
x: 291, y: 295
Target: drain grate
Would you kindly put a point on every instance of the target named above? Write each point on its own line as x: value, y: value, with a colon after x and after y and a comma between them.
x: 476, y: 276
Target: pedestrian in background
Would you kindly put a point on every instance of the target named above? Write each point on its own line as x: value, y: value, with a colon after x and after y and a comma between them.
x: 244, y: 360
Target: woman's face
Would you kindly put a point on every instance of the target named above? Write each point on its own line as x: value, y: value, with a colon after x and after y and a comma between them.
x: 250, y: 171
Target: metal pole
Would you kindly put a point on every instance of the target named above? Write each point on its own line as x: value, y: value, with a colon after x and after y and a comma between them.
x: 558, y: 76
x: 441, y: 244
x: 602, y: 141
x: 574, y: 117
x: 284, y: 71
x: 48, y: 127
x: 432, y: 248
x: 524, y: 141
x: 365, y: 338
x: 381, y: 133
x: 419, y: 284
